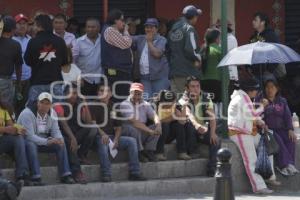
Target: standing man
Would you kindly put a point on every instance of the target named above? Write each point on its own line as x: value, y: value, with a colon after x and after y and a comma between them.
x: 116, y: 54
x: 185, y: 58
x: 10, y: 60
x: 59, y: 26
x: 89, y: 60
x: 45, y: 54
x: 264, y: 33
x: 22, y: 38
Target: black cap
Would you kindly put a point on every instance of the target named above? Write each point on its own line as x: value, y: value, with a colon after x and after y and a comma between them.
x: 9, y: 24
x: 249, y: 84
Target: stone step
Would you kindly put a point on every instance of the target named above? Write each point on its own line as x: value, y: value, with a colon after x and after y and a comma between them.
x: 50, y: 160
x: 190, y: 185
x: 151, y: 170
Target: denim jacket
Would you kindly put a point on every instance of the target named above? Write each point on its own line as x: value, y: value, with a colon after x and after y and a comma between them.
x: 158, y: 68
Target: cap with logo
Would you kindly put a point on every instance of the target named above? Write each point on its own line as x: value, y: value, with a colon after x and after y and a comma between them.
x: 152, y: 22
x: 20, y: 17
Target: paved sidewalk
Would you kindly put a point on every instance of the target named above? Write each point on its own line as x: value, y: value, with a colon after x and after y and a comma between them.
x: 283, y: 196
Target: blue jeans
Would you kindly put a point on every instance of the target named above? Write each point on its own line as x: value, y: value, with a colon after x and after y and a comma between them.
x: 152, y: 87
x: 15, y: 146
x: 61, y: 155
x: 36, y: 90
x: 127, y: 143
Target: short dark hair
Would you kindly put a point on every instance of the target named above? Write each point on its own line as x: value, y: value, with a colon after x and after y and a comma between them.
x: 103, y: 85
x: 9, y: 24
x: 73, y: 21
x: 165, y: 96
x: 189, y: 79
x: 114, y: 15
x: 44, y: 21
x: 68, y: 88
x: 92, y: 19
x: 263, y: 17
x: 60, y: 16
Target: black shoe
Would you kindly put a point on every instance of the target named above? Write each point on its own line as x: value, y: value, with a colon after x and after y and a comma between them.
x: 150, y: 155
x: 211, y: 173
x: 143, y: 158
x: 37, y: 182
x: 136, y: 177
x: 106, y: 179
x: 67, y: 180
x: 25, y: 181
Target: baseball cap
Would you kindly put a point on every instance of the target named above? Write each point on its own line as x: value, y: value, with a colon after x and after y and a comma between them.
x: 45, y: 95
x: 20, y: 17
x: 191, y: 11
x: 151, y: 22
x: 137, y: 87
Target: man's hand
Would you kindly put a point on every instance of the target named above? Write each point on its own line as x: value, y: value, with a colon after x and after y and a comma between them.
x: 149, y: 37
x: 202, y: 130
x: 116, y: 143
x: 57, y: 141
x: 105, y: 139
x: 292, y: 136
x: 11, y: 130
x: 213, y: 138
x: 73, y: 144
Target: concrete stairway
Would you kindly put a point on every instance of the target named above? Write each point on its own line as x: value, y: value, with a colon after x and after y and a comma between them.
x: 165, y: 178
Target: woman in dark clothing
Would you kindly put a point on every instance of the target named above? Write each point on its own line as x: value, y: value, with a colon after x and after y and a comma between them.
x: 279, y: 119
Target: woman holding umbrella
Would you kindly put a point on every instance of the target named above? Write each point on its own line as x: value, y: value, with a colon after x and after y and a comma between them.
x: 243, y: 123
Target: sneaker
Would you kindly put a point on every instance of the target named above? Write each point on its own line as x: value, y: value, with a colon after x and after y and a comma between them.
x: 150, y: 155
x: 211, y: 173
x: 106, y: 179
x: 183, y: 156
x: 292, y: 169
x: 25, y: 180
x: 80, y: 178
x: 37, y: 182
x: 136, y: 177
x: 161, y: 157
x: 264, y: 191
x: 67, y: 180
x: 283, y: 171
x: 273, y: 182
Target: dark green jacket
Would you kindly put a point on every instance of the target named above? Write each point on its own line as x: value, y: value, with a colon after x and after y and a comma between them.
x: 184, y: 49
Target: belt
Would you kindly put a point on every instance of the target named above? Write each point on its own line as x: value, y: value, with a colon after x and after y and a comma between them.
x: 233, y: 132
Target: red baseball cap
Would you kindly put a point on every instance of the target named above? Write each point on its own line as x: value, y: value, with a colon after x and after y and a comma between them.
x: 20, y: 17
x: 137, y: 87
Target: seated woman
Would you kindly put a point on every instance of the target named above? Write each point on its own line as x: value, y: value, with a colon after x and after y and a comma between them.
x: 279, y: 119
x: 172, y: 120
x: 243, y: 120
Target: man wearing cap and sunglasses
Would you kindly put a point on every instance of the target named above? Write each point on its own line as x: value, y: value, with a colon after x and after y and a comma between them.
x: 22, y: 38
x: 136, y: 114
x: 151, y: 61
x: 44, y: 135
x: 184, y: 55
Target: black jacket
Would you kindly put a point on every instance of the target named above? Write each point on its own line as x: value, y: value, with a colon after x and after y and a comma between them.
x: 46, y: 54
x: 268, y: 35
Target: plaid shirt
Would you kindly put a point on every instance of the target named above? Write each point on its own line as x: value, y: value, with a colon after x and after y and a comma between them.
x: 117, y: 39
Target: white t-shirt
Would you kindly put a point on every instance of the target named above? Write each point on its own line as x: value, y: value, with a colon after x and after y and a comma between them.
x: 232, y: 43
x: 144, y: 61
x: 73, y: 74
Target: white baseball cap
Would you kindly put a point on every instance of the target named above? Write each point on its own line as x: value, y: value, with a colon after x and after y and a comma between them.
x: 45, y: 95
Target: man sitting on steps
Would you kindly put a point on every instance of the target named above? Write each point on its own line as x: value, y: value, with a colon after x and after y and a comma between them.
x: 111, y: 131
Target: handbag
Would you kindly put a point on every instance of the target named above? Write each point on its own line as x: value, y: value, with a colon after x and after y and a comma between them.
x: 271, y: 143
